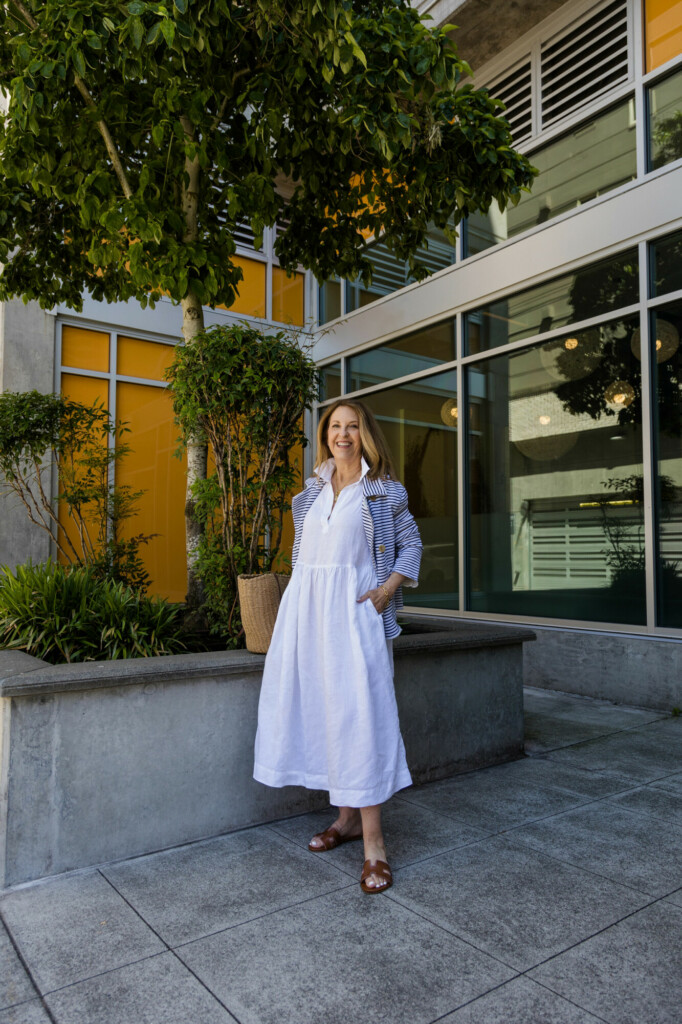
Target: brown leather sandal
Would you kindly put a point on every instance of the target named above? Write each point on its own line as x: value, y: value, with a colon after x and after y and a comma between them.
x: 331, y: 837
x: 379, y: 868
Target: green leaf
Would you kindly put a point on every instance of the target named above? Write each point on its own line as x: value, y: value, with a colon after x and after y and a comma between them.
x: 181, y: 6
x: 137, y: 29
x: 78, y: 62
x: 168, y: 29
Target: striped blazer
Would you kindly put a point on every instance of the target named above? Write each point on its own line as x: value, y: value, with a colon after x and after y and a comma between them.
x: 392, y: 535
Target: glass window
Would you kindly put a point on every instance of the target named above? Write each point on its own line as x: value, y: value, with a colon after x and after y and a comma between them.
x: 665, y: 121
x: 420, y: 423
x: 556, y: 521
x: 152, y: 468
x: 594, y: 158
x: 417, y: 351
x: 250, y: 298
x: 88, y: 391
x: 329, y: 301
x: 588, y: 292
x: 663, y: 19
x: 666, y: 326
x: 330, y: 381
x: 287, y: 297
x: 666, y: 264
x: 138, y: 358
x: 85, y: 350
x: 389, y: 273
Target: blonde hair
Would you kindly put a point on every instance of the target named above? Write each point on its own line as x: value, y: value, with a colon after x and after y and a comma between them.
x: 374, y: 446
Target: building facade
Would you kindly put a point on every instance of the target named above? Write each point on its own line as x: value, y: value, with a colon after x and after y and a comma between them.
x: 530, y: 388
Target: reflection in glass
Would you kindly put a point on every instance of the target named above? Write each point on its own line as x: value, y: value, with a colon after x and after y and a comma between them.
x: 667, y: 377
x: 420, y: 423
x: 590, y: 291
x: 330, y: 381
x: 666, y: 264
x: 556, y: 480
x: 389, y: 273
x: 665, y: 121
x: 329, y: 301
x: 594, y: 158
x: 417, y: 351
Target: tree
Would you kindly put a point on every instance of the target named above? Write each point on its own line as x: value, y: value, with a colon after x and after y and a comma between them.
x: 41, y: 433
x: 243, y: 392
x: 139, y: 135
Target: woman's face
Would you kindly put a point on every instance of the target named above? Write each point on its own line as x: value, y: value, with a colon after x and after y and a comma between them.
x: 343, y: 436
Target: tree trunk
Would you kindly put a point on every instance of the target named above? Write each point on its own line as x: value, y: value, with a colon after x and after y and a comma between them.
x: 192, y: 323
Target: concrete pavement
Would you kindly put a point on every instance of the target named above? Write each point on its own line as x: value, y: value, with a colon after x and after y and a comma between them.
x: 543, y: 891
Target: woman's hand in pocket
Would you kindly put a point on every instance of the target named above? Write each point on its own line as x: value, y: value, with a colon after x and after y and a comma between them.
x: 378, y: 599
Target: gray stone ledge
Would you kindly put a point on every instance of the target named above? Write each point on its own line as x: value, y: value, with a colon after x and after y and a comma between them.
x: 24, y: 676
x: 96, y: 675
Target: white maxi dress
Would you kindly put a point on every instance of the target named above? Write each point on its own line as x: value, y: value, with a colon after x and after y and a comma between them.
x: 327, y: 716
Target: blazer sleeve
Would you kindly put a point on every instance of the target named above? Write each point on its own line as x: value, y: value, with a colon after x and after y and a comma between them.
x: 408, y: 543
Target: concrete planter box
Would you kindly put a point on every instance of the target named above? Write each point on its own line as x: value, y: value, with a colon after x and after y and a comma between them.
x: 109, y: 760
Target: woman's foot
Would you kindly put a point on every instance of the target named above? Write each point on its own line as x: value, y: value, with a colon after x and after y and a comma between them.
x: 346, y: 828
x: 375, y: 881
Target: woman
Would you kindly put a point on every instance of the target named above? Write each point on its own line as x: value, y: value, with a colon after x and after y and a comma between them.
x: 327, y: 716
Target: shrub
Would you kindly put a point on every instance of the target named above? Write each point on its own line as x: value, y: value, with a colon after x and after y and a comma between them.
x: 41, y: 432
x: 243, y: 393
x: 71, y: 614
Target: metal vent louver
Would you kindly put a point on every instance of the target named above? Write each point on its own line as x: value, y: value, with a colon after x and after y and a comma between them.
x: 243, y: 235
x: 515, y: 92
x: 584, y: 63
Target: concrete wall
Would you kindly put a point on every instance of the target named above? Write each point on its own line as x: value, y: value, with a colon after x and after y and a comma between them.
x: 109, y: 760
x: 641, y: 670
x: 27, y: 353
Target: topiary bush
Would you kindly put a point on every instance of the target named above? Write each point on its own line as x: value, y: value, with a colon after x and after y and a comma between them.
x: 67, y: 614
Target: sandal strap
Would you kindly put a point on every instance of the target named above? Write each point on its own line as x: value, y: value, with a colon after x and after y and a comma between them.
x: 330, y: 838
x: 379, y: 868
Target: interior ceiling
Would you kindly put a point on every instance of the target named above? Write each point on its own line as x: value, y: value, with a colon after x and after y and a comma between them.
x: 486, y: 27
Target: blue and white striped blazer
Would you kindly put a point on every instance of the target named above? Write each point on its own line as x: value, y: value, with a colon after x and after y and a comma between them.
x: 392, y: 535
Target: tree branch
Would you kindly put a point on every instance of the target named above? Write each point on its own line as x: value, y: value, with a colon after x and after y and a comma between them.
x: 90, y: 104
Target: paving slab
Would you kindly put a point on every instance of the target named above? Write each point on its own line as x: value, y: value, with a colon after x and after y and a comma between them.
x: 545, y: 732
x: 629, y: 974
x: 645, y: 754
x: 157, y: 991
x: 573, y: 705
x: 504, y: 796
x: 553, y: 720
x: 664, y: 803
x: 676, y: 898
x: 71, y: 928
x: 673, y: 783
x: 411, y: 833
x: 32, y: 1012
x: 512, y: 901
x: 622, y: 845
x: 199, y: 889
x: 345, y: 958
x: 15, y: 984
x: 520, y: 1001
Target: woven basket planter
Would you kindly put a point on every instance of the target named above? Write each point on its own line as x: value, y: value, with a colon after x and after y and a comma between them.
x: 259, y: 598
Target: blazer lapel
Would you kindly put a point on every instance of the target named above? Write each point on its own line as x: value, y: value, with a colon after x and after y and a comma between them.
x: 372, y: 491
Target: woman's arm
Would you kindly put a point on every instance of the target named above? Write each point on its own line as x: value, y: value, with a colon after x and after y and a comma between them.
x: 381, y: 596
x: 408, y: 544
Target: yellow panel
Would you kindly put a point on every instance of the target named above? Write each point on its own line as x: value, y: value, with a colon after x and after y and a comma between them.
x: 138, y: 358
x: 287, y: 297
x: 152, y: 467
x: 663, y: 31
x: 85, y: 350
x: 251, y: 298
x: 86, y: 390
